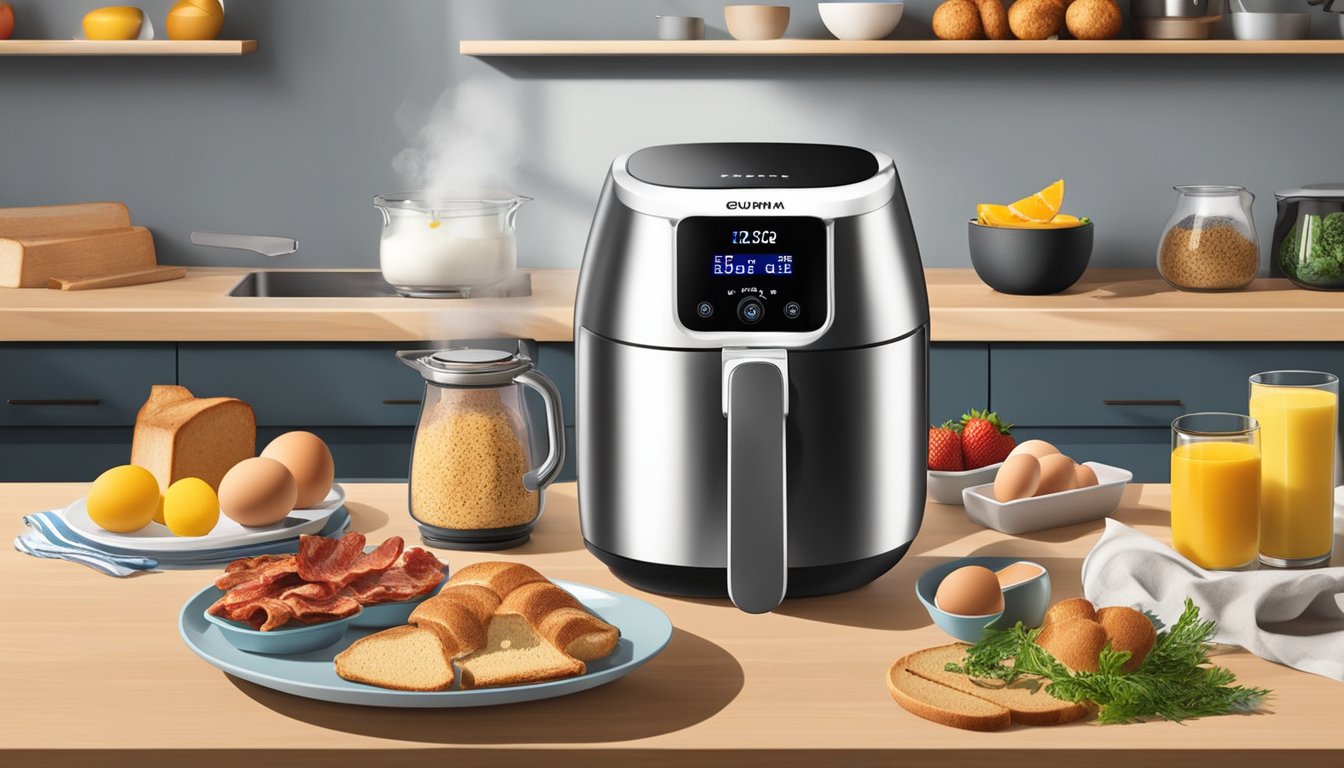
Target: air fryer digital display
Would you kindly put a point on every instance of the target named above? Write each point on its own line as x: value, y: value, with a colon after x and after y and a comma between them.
x: 752, y: 273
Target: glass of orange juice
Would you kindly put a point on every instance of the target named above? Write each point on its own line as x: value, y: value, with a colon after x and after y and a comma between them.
x: 1215, y: 489
x: 1298, y: 413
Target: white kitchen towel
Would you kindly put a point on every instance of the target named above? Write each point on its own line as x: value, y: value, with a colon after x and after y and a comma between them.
x: 1290, y: 617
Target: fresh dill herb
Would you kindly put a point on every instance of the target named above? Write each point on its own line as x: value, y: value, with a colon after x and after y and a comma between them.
x: 1175, y: 682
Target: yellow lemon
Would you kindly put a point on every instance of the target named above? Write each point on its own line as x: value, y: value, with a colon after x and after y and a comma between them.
x: 190, y: 507
x: 123, y: 499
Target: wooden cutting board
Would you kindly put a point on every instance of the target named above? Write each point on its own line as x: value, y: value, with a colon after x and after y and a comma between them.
x: 50, y: 220
x: 32, y: 262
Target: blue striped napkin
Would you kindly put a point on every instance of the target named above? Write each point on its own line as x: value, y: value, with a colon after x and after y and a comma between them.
x: 50, y: 537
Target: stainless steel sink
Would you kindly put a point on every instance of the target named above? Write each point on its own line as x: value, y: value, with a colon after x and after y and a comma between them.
x: 346, y: 284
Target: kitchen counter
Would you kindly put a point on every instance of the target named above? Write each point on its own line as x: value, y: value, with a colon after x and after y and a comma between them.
x: 1109, y: 305
x: 92, y: 664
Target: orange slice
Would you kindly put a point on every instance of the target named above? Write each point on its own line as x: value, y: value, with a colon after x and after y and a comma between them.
x: 1042, y: 206
x: 995, y: 216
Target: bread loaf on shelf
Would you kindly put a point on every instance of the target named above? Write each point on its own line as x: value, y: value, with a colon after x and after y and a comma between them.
x: 179, y: 435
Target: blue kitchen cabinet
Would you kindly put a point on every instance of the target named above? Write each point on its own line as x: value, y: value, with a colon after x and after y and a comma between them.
x: 958, y: 380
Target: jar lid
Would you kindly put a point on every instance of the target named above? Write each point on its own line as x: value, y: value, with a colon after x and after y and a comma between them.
x: 455, y: 203
x: 1313, y: 191
x: 467, y: 366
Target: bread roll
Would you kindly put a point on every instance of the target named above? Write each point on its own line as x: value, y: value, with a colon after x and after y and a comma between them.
x: 1073, y: 608
x: 994, y: 18
x: 958, y: 20
x: 1075, y: 642
x: 1036, y: 19
x: 1128, y: 630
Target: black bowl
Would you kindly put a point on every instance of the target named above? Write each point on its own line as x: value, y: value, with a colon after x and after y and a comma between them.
x: 1030, y: 262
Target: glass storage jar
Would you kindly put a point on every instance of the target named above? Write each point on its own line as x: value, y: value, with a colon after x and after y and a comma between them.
x: 1209, y: 243
x: 1308, y: 244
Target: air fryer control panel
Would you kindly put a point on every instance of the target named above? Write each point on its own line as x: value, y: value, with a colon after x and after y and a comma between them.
x: 739, y: 274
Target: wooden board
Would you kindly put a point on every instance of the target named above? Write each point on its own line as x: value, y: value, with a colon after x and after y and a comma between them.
x: 119, y: 280
x: 796, y: 47
x: 93, y: 664
x: 35, y: 262
x: 48, y: 220
x: 127, y: 47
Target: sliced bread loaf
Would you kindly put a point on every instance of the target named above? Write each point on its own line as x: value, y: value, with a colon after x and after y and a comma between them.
x: 499, y: 577
x: 562, y: 620
x: 516, y: 654
x: 944, y: 705
x: 403, y: 658
x: 179, y: 435
x: 461, y: 631
x: 1026, y: 700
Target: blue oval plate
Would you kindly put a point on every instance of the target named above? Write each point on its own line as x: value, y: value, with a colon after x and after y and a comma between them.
x: 645, y: 631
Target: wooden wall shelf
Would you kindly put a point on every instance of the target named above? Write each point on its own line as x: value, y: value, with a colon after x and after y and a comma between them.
x: 127, y: 47
x: 788, y: 47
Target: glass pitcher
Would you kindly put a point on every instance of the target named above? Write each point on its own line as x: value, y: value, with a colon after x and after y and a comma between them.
x: 472, y: 482
x: 1209, y: 243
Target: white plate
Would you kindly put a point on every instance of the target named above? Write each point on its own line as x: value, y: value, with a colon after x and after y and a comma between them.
x: 157, y: 538
x: 946, y: 487
x: 1054, y: 511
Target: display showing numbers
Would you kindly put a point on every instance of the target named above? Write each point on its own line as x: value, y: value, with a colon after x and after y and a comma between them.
x: 779, y: 265
x: 754, y: 237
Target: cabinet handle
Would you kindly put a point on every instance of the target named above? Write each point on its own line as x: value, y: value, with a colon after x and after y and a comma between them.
x: 55, y: 402
x: 1172, y: 403
x: 401, y: 402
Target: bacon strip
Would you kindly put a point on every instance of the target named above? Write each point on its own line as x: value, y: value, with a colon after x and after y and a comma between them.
x: 418, y: 574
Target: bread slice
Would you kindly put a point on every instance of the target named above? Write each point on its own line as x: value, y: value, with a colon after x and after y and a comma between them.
x: 1026, y: 700
x: 178, y: 435
x: 562, y: 620
x: 461, y: 632
x: 402, y: 658
x: 944, y: 705
x: 516, y: 654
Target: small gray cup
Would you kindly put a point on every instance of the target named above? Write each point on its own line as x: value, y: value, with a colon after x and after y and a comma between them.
x: 681, y: 28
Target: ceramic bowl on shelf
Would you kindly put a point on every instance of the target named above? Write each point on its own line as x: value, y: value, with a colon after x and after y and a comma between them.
x: 756, y: 22
x: 1270, y: 26
x: 1025, y: 601
x: 946, y: 487
x: 861, y: 21
x: 1052, y: 511
x: 1030, y: 262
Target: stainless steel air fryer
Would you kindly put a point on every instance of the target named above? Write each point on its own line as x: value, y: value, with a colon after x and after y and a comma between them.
x: 752, y: 354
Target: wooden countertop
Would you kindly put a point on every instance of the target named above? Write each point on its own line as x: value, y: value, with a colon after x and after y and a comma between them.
x: 95, y: 664
x: 1108, y: 305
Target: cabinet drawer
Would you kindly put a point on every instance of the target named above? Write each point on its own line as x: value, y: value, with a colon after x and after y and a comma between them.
x: 958, y: 380
x: 68, y: 385
x: 293, y: 385
x: 61, y: 454
x: 1126, y: 385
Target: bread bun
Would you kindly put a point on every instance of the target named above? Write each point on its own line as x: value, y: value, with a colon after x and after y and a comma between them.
x: 1128, y: 630
x: 1093, y: 19
x: 1075, y: 642
x: 958, y: 20
x: 1036, y: 19
x: 994, y: 18
x: 1073, y: 608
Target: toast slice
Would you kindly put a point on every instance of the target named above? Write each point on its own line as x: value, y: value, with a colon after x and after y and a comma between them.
x: 403, y: 658
x: 944, y: 705
x: 516, y: 654
x: 1025, y: 699
x: 456, y: 624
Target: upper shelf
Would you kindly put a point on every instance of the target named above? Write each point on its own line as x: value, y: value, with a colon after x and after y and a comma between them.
x: 127, y: 47
x: 790, y: 47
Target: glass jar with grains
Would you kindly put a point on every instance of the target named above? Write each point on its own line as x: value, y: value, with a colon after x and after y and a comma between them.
x: 1209, y: 243
x: 472, y: 482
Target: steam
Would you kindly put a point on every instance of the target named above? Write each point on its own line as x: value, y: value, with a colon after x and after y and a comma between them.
x: 470, y: 142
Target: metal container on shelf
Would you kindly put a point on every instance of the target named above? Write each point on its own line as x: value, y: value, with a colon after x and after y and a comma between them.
x: 1175, y: 19
x: 1308, y: 244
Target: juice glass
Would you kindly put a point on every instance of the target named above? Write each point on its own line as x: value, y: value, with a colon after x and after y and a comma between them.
x: 1215, y: 489
x: 1298, y: 413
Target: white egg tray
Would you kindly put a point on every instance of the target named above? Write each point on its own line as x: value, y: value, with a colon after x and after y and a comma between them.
x: 1039, y: 513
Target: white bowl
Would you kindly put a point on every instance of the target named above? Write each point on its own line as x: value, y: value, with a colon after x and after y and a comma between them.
x: 946, y: 487
x: 861, y: 21
x: 1053, y: 511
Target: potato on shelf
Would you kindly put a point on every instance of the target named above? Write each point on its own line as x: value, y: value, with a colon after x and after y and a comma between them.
x: 1036, y: 19
x: 958, y: 20
x: 1093, y: 19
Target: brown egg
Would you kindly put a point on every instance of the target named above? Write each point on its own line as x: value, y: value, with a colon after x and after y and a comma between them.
x: 970, y: 591
x: 257, y: 492
x: 1038, y: 448
x: 309, y: 460
x: 1017, y: 478
x: 1074, y: 607
x: 1084, y: 477
x: 1057, y: 474
x: 1075, y: 642
x: 1128, y: 630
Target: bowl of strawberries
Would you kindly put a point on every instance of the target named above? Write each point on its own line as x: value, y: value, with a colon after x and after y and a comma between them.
x: 966, y: 452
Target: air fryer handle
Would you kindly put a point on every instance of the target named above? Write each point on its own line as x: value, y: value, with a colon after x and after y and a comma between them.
x: 756, y: 404
x: 545, y: 474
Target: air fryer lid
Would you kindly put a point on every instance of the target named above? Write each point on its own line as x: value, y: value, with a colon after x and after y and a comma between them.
x: 752, y: 166
x: 1313, y: 192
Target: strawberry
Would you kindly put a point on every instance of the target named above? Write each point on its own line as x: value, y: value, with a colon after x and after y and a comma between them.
x: 945, y: 448
x: 984, y: 439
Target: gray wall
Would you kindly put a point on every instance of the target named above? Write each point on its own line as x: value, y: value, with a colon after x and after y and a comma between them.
x: 296, y: 139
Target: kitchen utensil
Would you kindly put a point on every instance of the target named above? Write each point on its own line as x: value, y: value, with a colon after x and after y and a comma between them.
x: 1215, y: 489
x: 681, y: 27
x: 645, y: 631
x: 48, y: 220
x: 32, y: 262
x: 1247, y: 25
x: 139, y: 277
x: 156, y: 538
x: 292, y: 638
x: 1025, y: 601
x: 861, y: 21
x: 1054, y: 511
x: 1174, y: 19
x: 946, y: 487
x: 472, y: 481
x: 382, y: 615
x: 753, y: 426
x: 1209, y: 243
x: 263, y: 244
x: 756, y: 22
x: 1298, y: 412
x: 1030, y: 262
x: 1308, y: 242
x: 435, y: 244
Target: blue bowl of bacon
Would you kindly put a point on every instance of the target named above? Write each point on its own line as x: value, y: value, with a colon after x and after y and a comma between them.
x: 289, y: 604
